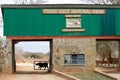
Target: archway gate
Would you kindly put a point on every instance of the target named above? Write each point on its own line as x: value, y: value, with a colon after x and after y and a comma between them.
x: 49, y: 61
x: 67, y: 25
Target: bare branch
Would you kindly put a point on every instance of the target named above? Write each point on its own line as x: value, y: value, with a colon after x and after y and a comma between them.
x: 30, y: 1
x: 99, y: 1
x: 102, y: 1
x: 93, y: 1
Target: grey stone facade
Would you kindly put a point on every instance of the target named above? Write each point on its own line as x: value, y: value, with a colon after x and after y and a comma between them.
x: 74, y: 46
x: 8, y: 65
x: 2, y: 60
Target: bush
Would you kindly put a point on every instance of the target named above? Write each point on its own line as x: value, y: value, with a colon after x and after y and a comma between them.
x: 0, y: 68
x: 34, y: 56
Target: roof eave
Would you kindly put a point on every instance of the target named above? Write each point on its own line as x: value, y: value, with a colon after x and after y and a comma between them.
x: 59, y: 6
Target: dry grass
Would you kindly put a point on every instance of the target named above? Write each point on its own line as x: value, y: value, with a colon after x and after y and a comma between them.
x: 31, y: 57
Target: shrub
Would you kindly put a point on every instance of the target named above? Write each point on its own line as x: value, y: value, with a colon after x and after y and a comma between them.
x: 34, y: 56
x: 0, y: 68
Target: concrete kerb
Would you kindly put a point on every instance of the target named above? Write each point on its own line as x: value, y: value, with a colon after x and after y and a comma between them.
x: 64, y: 75
x: 105, y: 74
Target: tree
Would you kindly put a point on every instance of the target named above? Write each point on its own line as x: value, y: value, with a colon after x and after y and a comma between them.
x: 19, y: 50
x: 105, y: 1
x: 101, y: 49
x: 1, y: 22
x: 3, y: 42
x: 30, y: 1
x: 1, y: 26
x: 106, y: 48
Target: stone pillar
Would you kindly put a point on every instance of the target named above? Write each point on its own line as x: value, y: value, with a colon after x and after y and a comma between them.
x: 8, y: 67
x: 1, y: 59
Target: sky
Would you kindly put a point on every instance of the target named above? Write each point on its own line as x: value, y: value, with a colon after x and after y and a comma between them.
x: 6, y: 1
x: 51, y: 1
x: 67, y: 2
x: 34, y: 46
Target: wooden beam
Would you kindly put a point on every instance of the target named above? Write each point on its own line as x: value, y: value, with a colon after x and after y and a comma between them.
x: 52, y: 37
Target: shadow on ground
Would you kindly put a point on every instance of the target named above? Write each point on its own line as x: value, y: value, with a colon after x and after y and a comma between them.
x: 31, y: 72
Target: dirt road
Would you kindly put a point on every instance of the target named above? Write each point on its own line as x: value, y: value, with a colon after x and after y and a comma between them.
x: 26, y: 72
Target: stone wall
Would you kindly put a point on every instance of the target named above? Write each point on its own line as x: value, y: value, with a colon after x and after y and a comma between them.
x: 73, y: 46
x: 8, y: 67
x: 61, y: 46
x: 1, y: 59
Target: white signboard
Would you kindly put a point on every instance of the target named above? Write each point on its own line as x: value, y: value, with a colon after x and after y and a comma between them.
x: 73, y: 23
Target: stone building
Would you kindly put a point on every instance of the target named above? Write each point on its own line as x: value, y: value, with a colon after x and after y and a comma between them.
x: 72, y: 31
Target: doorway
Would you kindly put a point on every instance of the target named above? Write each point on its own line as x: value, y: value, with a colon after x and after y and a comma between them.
x: 32, y: 56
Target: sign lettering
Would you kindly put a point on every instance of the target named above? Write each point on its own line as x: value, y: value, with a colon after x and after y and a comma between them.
x: 73, y: 11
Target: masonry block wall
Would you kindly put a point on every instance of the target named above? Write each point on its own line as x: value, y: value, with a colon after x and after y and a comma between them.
x: 74, y: 46
x: 62, y: 46
x: 1, y: 58
x: 8, y: 67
